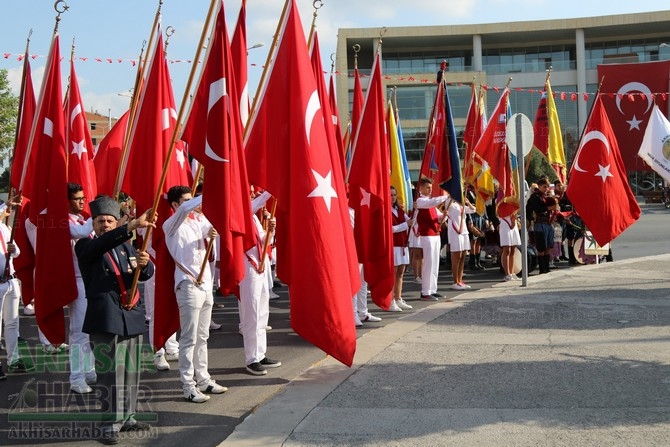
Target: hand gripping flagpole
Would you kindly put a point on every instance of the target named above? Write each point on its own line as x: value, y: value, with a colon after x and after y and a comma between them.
x: 173, y: 141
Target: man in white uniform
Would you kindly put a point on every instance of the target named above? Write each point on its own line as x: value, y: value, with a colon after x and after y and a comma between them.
x: 185, y: 233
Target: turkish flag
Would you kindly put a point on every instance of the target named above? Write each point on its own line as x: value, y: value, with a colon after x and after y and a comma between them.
x: 628, y: 93
x: 151, y: 135
x: 288, y: 155
x: 214, y: 134
x: 108, y: 156
x: 356, y: 109
x: 238, y: 49
x: 24, y: 265
x: 598, y: 186
x: 24, y: 125
x: 336, y: 157
x: 54, y: 270
x: 337, y: 128
x: 78, y: 143
x: 370, y: 194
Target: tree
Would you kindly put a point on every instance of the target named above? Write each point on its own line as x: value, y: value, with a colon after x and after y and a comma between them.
x: 9, y: 107
x: 539, y: 166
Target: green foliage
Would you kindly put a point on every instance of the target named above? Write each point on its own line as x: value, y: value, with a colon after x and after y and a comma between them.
x: 9, y: 106
x: 539, y: 166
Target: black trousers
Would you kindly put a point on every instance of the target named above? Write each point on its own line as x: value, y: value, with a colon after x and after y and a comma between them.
x: 117, y: 364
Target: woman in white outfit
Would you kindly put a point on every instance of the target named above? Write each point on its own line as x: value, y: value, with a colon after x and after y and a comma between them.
x: 509, y: 239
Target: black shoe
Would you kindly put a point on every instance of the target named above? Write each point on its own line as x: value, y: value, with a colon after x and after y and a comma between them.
x: 256, y: 369
x: 277, y: 283
x: 19, y: 366
x: 269, y: 363
x: 428, y: 298
x: 109, y: 438
x: 2, y: 374
x: 437, y: 295
x: 137, y: 426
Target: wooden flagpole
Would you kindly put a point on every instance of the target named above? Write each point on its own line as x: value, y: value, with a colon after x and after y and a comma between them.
x: 175, y: 134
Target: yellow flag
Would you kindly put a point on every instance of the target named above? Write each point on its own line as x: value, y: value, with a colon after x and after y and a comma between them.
x: 397, y: 175
x: 555, y: 151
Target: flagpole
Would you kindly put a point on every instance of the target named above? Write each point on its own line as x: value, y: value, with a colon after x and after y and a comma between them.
x: 134, y: 100
x: 468, y: 162
x: 19, y: 122
x: 166, y: 164
x: 360, y: 118
x: 67, y: 108
x: 261, y: 265
x: 313, y: 27
x: 269, y: 60
x: 33, y: 130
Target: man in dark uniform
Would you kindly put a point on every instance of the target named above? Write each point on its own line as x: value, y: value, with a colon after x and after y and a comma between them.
x: 114, y: 322
x: 538, y: 209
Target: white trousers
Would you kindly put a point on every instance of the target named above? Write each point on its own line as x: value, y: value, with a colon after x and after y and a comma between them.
x: 254, y: 312
x: 431, y: 264
x: 195, y: 313
x: 360, y: 300
x: 82, y: 362
x: 171, y: 344
x: 10, y: 295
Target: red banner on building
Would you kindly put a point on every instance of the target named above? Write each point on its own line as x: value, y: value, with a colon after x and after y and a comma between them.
x: 629, y: 92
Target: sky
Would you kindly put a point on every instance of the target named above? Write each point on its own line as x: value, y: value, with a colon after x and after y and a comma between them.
x: 116, y: 30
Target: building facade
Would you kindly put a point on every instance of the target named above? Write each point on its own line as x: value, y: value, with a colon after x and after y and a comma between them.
x: 492, y: 55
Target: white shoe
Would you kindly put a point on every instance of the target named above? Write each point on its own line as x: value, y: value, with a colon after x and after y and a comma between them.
x: 515, y: 278
x: 195, y: 395
x: 211, y: 387
x: 172, y: 356
x: 273, y: 296
x: 460, y: 286
x: 268, y: 328
x: 507, y: 278
x: 418, y: 280
x: 160, y: 363
x: 29, y: 309
x: 357, y: 321
x: 213, y: 326
x: 394, y: 307
x: 402, y: 304
x: 371, y: 318
x: 80, y: 387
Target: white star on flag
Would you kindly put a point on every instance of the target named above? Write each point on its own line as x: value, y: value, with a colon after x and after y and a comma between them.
x: 634, y: 123
x: 324, y: 188
x: 365, y: 201
x: 604, y: 172
x: 180, y: 157
x: 78, y: 148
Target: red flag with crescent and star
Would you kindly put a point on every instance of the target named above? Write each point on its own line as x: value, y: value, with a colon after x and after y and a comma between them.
x: 370, y: 193
x: 628, y: 93
x: 78, y: 143
x: 213, y: 132
x: 55, y: 284
x: 598, y: 186
x: 288, y: 155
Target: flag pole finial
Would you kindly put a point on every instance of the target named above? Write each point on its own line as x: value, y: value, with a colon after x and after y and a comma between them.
x: 60, y: 6
x: 357, y: 49
x: 332, y: 63
x: 169, y: 31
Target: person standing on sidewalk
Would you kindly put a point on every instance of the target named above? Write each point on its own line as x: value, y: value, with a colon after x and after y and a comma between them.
x: 459, y: 240
x: 186, y: 234
x: 430, y: 220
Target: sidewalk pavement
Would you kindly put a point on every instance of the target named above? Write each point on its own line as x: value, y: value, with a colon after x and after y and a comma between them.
x: 579, y: 357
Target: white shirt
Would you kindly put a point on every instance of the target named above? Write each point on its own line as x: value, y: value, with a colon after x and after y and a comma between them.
x: 185, y: 235
x: 79, y: 228
x: 6, y: 234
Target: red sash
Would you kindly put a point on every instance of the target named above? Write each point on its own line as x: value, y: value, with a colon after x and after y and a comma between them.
x: 122, y: 285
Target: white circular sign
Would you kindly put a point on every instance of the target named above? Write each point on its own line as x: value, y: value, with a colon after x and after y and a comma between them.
x: 520, y: 125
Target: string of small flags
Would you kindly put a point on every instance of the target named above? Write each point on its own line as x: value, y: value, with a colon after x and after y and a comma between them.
x: 563, y: 96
